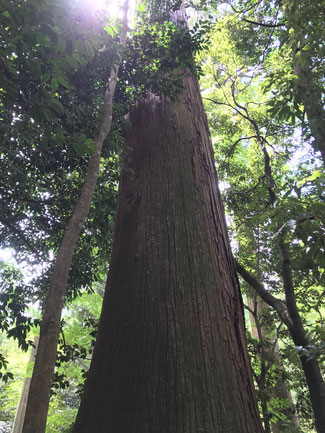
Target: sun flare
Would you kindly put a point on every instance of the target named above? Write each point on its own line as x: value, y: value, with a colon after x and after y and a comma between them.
x: 112, y: 7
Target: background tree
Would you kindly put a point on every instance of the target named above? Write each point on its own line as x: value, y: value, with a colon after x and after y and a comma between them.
x: 38, y: 397
x: 268, y: 369
x: 300, y: 72
x: 74, y: 351
x: 261, y: 194
x: 64, y: 31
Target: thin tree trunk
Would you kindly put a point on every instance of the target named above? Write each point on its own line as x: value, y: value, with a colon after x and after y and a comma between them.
x: 314, y: 380
x: 281, y: 389
x: 39, y: 392
x: 291, y: 317
x: 258, y: 332
x: 312, y: 99
x: 21, y: 408
x: 170, y: 355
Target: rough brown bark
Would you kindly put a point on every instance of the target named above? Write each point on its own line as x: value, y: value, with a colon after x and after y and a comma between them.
x: 40, y: 387
x: 170, y: 355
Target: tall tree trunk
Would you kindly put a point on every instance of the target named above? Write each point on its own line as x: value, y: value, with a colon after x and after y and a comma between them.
x: 282, y: 391
x: 170, y: 354
x: 40, y: 387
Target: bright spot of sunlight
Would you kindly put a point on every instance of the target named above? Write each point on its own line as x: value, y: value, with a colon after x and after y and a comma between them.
x: 111, y: 7
x: 6, y: 255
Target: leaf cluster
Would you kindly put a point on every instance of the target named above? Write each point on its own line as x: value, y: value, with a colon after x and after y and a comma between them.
x: 158, y: 55
x: 55, y: 63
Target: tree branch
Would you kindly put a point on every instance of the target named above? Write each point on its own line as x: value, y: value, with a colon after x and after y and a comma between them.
x: 233, y: 148
x: 289, y: 292
x: 257, y: 23
x: 274, y: 302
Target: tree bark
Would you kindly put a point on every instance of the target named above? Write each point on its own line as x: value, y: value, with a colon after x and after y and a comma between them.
x: 40, y: 387
x: 170, y: 355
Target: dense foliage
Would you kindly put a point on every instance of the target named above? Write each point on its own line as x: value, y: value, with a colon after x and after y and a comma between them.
x: 273, y: 187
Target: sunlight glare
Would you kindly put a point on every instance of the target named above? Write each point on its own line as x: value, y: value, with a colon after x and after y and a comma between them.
x: 111, y: 7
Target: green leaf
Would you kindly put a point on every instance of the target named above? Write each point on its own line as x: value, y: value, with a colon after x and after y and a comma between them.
x: 316, y: 174
x: 72, y: 62
x: 64, y: 82
x: 77, y: 147
x: 61, y: 45
x: 54, y: 84
x: 76, y: 57
x: 80, y: 46
x: 82, y: 137
x: 56, y: 104
x: 109, y: 30
x: 89, y: 146
x: 44, y: 78
x: 89, y: 49
x: 83, y: 61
